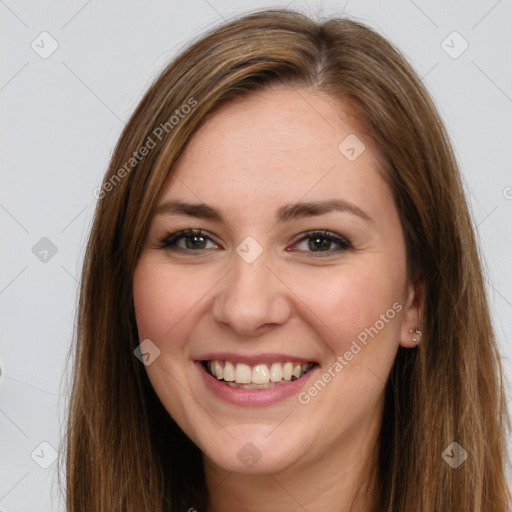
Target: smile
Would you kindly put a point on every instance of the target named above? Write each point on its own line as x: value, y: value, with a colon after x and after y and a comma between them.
x: 259, y: 376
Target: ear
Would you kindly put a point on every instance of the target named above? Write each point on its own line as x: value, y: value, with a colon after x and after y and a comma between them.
x: 412, y: 317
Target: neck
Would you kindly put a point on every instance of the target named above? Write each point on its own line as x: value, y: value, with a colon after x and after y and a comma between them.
x: 344, y: 476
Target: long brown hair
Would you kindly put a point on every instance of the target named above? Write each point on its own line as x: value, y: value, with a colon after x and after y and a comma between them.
x: 124, y: 452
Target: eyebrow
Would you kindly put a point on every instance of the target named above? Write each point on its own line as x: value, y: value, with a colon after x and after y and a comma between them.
x: 286, y: 213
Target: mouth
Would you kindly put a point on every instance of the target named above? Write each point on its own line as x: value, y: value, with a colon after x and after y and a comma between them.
x: 259, y: 376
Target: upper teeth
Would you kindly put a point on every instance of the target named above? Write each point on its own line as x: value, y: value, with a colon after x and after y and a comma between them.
x: 260, y: 374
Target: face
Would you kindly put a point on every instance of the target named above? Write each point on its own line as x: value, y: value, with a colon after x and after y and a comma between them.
x: 273, y: 284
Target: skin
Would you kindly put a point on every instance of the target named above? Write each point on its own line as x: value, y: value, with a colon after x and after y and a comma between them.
x: 256, y: 154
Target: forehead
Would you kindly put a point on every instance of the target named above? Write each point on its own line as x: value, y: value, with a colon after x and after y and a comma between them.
x: 275, y: 146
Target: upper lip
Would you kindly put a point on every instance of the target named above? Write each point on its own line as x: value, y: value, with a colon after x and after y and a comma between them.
x: 254, y: 359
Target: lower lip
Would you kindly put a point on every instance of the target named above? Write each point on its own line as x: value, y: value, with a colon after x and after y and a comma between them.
x: 254, y: 397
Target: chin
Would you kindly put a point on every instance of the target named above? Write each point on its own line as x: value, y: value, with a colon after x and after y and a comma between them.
x: 255, y: 454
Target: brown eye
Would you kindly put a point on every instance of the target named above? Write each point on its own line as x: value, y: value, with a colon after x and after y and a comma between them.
x: 319, y: 243
x: 322, y: 242
x: 188, y: 240
x: 195, y: 241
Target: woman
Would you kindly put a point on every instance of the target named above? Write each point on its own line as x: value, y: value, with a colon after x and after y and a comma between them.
x: 282, y: 305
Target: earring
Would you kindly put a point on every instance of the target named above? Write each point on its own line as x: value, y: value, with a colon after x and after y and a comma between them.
x: 418, y: 332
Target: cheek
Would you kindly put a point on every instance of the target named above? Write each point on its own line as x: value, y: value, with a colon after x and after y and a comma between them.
x: 162, y: 299
x: 357, y: 312
x: 357, y: 303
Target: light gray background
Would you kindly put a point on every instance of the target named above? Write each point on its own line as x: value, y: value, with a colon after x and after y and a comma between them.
x: 61, y: 117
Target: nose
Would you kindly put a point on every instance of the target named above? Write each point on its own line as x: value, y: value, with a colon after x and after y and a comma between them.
x: 251, y: 298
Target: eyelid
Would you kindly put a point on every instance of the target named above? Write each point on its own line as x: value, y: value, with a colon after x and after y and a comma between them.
x: 343, y: 242
x: 169, y: 241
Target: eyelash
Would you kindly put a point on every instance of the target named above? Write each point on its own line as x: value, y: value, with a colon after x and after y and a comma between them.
x: 169, y: 242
